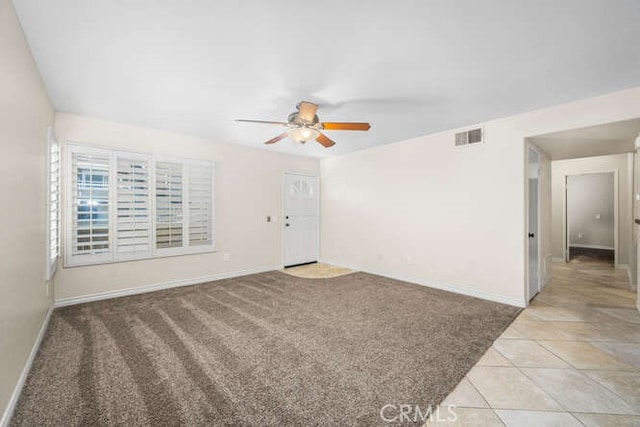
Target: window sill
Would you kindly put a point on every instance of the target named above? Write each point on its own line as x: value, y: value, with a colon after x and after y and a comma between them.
x: 82, y: 263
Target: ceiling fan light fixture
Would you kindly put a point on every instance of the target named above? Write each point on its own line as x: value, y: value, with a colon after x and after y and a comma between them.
x: 303, y: 134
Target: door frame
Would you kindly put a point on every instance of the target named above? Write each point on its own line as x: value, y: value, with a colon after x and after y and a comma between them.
x: 530, y: 146
x: 565, y: 213
x: 283, y: 192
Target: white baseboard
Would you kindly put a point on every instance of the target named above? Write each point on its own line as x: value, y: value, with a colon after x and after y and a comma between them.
x: 628, y: 268
x: 159, y: 286
x: 547, y: 268
x: 13, y: 401
x: 557, y: 259
x: 608, y: 248
x: 439, y: 285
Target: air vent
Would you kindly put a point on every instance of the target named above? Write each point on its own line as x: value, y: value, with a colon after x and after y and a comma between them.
x: 471, y: 136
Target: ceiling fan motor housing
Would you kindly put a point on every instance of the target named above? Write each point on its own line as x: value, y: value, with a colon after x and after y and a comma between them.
x: 295, y: 119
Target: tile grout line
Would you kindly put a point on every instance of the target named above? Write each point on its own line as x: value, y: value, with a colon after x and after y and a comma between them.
x: 476, y: 388
x: 596, y: 348
x: 631, y: 404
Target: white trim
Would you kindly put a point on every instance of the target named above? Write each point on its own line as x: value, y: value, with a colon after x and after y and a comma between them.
x: 616, y: 212
x: 628, y: 268
x: 608, y: 248
x: 548, y: 260
x: 160, y: 286
x: 462, y: 290
x: 13, y: 401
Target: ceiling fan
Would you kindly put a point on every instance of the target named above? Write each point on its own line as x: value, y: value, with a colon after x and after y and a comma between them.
x: 304, y: 125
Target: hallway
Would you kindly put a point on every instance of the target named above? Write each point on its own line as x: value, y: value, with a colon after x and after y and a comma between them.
x: 571, y: 358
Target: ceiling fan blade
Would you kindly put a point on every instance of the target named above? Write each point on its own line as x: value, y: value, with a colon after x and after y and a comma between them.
x: 307, y: 111
x: 268, y: 122
x: 345, y: 126
x: 283, y: 135
x: 325, y: 140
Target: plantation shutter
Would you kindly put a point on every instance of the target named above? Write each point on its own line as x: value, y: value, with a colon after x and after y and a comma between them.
x: 122, y: 206
x: 90, y: 205
x: 133, y: 223
x: 200, y: 203
x: 169, y: 205
x: 54, y: 200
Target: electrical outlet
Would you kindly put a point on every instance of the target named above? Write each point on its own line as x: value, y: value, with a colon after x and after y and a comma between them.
x: 226, y: 257
x: 580, y: 235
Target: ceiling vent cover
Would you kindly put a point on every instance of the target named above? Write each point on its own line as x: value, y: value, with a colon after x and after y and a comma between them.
x: 471, y: 136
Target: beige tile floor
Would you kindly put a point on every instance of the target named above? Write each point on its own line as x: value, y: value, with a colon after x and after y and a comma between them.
x: 571, y: 358
x: 317, y: 270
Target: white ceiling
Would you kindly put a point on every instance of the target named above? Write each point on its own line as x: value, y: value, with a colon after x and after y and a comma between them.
x: 610, y: 138
x: 410, y: 67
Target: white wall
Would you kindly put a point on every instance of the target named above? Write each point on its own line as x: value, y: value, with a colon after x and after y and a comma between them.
x: 590, y: 210
x: 248, y: 188
x: 619, y: 162
x: 429, y: 212
x: 25, y: 114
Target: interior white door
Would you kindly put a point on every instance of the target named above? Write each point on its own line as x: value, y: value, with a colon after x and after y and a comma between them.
x: 300, y: 219
x: 533, y: 220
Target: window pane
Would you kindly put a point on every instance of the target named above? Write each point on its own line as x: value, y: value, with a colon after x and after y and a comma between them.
x: 90, y: 227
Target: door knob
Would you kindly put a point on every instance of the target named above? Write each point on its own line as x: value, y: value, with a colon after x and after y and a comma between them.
x: 287, y: 224
x: 531, y: 235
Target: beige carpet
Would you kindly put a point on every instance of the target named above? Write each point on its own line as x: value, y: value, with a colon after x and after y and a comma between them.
x: 266, y: 349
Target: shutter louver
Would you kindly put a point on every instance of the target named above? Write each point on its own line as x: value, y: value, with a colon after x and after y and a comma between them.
x: 90, y: 202
x: 54, y: 201
x: 169, y: 205
x: 133, y: 223
x: 200, y: 204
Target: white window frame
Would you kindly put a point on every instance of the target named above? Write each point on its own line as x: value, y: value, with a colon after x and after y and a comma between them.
x: 53, y: 256
x: 71, y: 260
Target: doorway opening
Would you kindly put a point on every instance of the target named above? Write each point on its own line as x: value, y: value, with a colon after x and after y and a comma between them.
x: 591, y: 218
x: 588, y: 198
